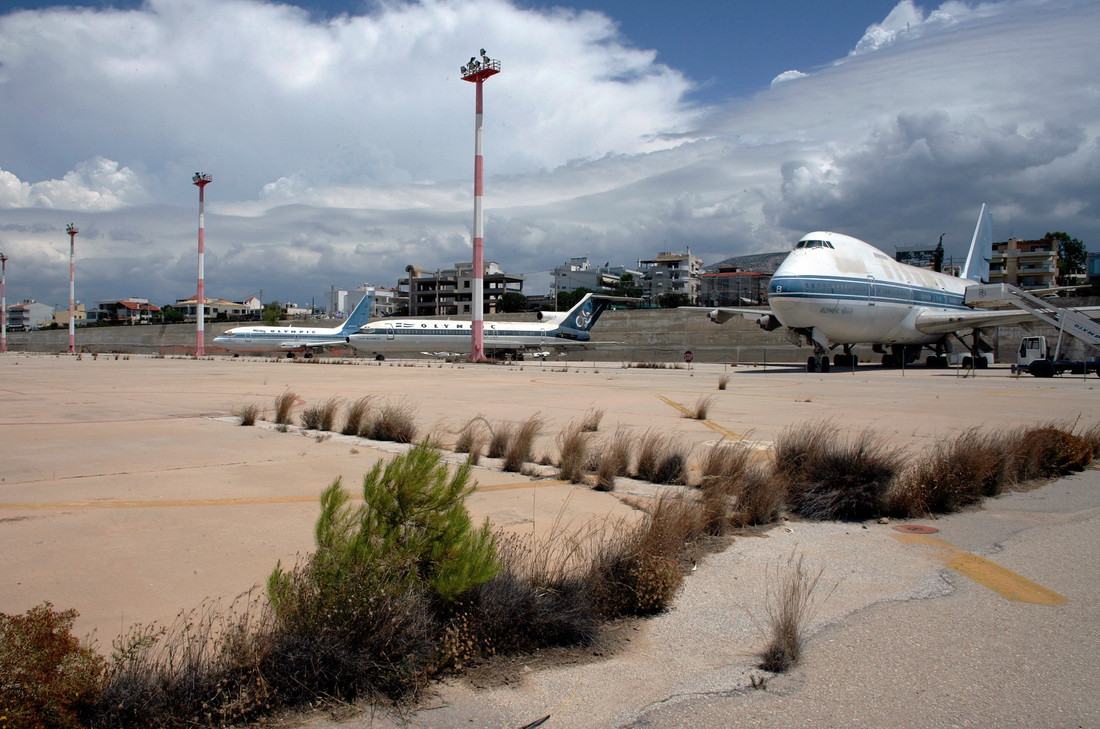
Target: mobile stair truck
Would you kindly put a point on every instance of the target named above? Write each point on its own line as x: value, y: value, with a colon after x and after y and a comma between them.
x: 1035, y: 356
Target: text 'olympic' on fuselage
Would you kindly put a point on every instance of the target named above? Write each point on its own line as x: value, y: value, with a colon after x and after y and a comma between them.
x: 257, y: 339
x: 450, y: 337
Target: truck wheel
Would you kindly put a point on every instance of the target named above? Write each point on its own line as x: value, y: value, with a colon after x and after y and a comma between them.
x: 1041, y: 368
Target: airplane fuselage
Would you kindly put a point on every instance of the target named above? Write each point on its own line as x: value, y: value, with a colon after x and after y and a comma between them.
x: 852, y: 293
x: 426, y: 335
x: 276, y: 339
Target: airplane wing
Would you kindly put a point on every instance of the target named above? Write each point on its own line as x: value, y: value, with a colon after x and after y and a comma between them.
x: 313, y: 344
x: 946, y: 322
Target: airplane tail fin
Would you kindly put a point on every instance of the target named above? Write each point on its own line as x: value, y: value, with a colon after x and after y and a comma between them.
x: 584, y: 314
x: 981, y: 248
x: 359, y: 315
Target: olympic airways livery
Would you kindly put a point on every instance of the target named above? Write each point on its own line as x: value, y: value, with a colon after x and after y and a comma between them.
x: 834, y: 290
x: 554, y: 330
x: 295, y: 339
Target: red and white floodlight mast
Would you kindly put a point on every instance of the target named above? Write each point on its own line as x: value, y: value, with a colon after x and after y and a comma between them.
x: 72, y: 231
x: 3, y: 303
x: 201, y: 180
x: 476, y: 71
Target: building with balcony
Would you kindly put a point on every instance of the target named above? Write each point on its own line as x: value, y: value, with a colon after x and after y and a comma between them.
x: 1028, y: 264
x: 213, y: 308
x: 124, y: 311
x: 733, y: 286
x: 671, y: 273
x: 80, y: 315
x: 449, y: 292
x: 578, y: 273
x: 30, y: 315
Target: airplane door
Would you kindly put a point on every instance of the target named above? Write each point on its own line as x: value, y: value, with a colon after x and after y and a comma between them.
x: 389, y: 332
x: 870, y: 290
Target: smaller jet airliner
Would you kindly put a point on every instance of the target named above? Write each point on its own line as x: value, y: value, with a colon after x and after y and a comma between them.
x: 295, y: 339
x: 554, y: 330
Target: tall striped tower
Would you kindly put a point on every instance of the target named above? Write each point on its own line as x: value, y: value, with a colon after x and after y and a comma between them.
x: 201, y: 180
x: 72, y: 231
x: 3, y: 303
x: 476, y: 71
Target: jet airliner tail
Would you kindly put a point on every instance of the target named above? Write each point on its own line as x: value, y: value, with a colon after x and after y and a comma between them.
x: 359, y: 315
x: 981, y: 248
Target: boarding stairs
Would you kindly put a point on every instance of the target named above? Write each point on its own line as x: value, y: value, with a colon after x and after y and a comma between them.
x: 1067, y: 320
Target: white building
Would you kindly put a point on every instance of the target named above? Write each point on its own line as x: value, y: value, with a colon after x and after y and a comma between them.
x: 29, y: 315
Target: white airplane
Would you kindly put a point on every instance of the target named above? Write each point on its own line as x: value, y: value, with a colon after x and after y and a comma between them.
x: 834, y: 290
x: 554, y: 330
x: 295, y: 339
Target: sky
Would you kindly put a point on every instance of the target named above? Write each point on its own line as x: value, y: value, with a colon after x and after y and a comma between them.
x: 339, y: 134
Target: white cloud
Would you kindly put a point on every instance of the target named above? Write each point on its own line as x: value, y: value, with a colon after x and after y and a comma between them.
x: 341, y: 151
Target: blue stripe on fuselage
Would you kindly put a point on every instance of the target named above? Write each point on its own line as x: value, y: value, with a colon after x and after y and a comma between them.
x: 835, y: 288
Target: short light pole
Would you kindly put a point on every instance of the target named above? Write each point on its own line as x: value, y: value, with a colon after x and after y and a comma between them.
x: 201, y: 180
x: 476, y: 71
x: 3, y: 303
x: 72, y: 231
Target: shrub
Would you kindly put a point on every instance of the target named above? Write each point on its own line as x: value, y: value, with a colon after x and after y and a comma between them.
x: 790, y: 607
x: 248, y: 413
x: 412, y: 529
x: 573, y: 453
x: 640, y: 574
x: 48, y: 678
x: 356, y: 415
x: 283, y: 405
x: 834, y: 477
x: 1047, y: 451
x: 661, y: 459
x: 519, y: 449
x: 760, y: 496
x: 394, y: 422
x: 954, y: 474
x: 722, y: 470
x: 723, y: 380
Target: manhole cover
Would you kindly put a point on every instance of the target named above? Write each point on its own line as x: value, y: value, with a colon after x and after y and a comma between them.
x: 916, y: 529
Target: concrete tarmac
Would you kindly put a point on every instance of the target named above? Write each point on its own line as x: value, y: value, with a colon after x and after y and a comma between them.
x: 128, y: 493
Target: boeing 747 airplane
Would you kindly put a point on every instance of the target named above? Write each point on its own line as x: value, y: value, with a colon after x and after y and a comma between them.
x: 295, y: 339
x: 834, y: 290
x: 445, y: 337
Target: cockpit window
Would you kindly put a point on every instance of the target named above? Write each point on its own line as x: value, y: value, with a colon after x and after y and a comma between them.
x: 813, y: 244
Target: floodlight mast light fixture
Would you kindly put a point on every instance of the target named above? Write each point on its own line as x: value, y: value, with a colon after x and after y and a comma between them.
x: 476, y: 71
x: 72, y: 231
x: 3, y: 303
x: 201, y: 180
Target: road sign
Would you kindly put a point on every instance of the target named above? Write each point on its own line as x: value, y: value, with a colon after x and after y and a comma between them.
x: 688, y: 356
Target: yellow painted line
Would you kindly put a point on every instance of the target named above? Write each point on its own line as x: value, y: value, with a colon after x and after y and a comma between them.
x: 1003, y: 581
x: 520, y: 485
x: 686, y: 412
x: 683, y: 410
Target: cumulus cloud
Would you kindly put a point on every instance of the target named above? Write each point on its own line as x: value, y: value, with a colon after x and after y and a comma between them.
x: 341, y: 149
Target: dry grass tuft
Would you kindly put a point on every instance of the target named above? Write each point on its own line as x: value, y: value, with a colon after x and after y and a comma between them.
x: 832, y: 476
x: 357, y: 412
x: 283, y: 405
x: 953, y: 475
x: 519, y: 449
x: 702, y: 406
x: 723, y: 380
x: 248, y: 413
x: 591, y: 421
x: 614, y: 459
x: 321, y: 416
x: 790, y: 607
x: 661, y: 459
x: 394, y: 422
x: 573, y: 452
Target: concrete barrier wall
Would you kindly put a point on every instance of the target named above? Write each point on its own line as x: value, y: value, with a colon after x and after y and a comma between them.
x: 658, y: 335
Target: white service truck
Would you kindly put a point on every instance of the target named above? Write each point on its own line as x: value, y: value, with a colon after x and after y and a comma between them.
x: 1035, y: 358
